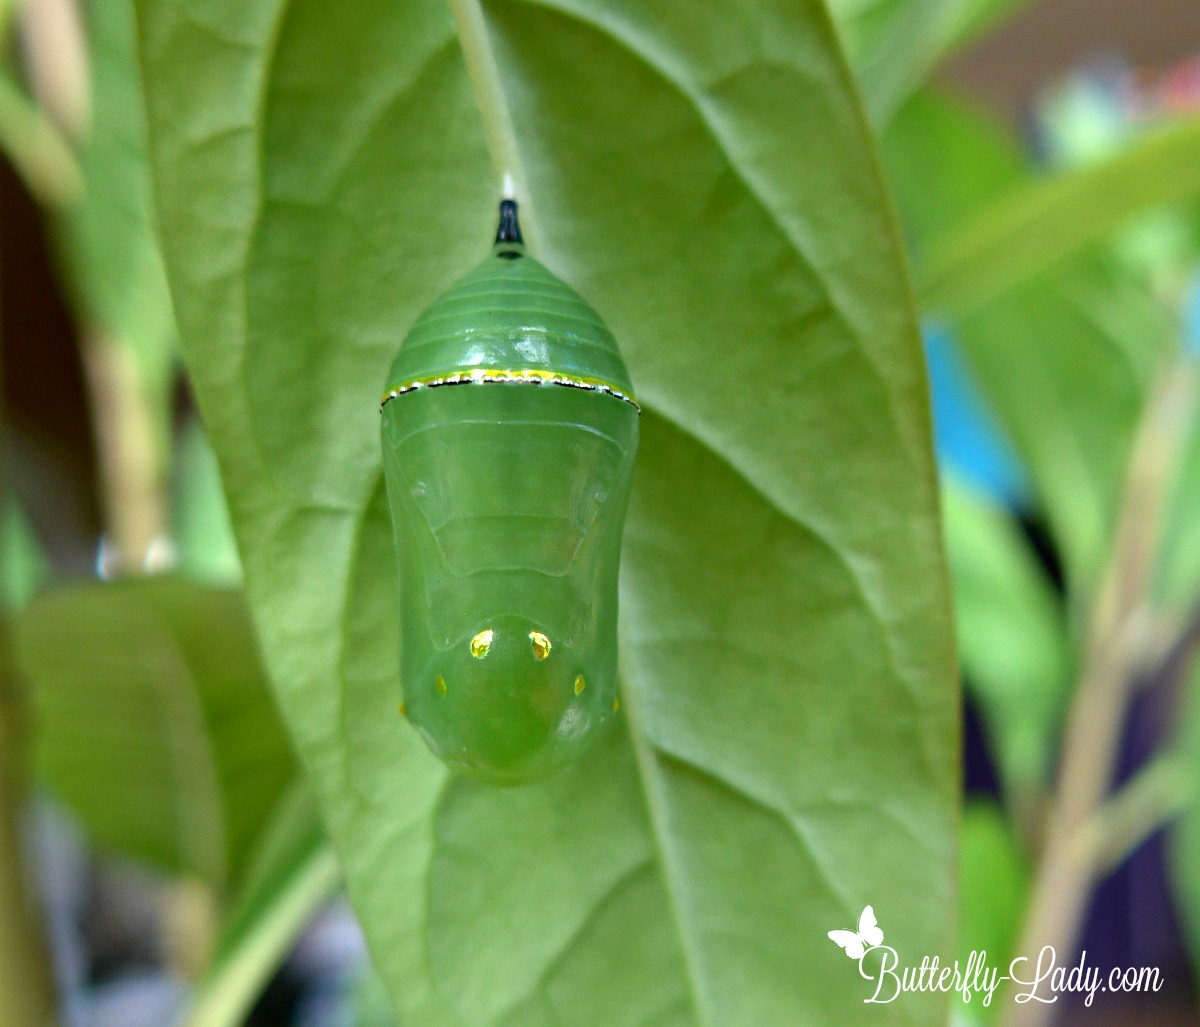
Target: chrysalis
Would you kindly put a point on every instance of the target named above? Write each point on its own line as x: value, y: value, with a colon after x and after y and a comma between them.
x: 509, y: 435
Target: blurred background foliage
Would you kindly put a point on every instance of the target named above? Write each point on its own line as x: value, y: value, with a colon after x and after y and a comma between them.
x: 161, y: 859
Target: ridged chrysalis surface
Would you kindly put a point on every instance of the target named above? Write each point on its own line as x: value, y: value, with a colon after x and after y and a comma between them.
x: 509, y: 435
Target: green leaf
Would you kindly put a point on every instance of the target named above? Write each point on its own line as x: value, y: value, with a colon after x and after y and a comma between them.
x: 891, y: 44
x: 23, y: 566
x: 204, y: 543
x: 369, y: 1002
x: 154, y: 723
x: 971, y: 158
x: 894, y: 45
x: 290, y: 874
x: 705, y: 178
x: 1035, y: 226
x: 1012, y: 640
x: 993, y: 894
x: 974, y: 18
x: 1065, y: 360
x: 1177, y: 571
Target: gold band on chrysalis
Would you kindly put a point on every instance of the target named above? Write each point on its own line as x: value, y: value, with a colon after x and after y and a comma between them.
x: 528, y: 376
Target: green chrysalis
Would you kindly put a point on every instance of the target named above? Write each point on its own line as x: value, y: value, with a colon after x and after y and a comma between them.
x: 509, y: 435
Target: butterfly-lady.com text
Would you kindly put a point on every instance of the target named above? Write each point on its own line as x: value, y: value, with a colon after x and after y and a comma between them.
x: 1043, y: 981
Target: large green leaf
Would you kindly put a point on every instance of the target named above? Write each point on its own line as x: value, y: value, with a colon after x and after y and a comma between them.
x: 704, y: 177
x: 1064, y: 360
x: 154, y: 722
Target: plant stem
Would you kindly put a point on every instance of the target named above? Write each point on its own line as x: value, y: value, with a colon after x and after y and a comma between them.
x: 493, y: 107
x: 1153, y: 797
x: 1071, y: 858
x: 131, y: 475
x: 55, y: 45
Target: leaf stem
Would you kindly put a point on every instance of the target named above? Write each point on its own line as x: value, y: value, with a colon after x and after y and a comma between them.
x: 481, y: 64
x: 1037, y: 224
x: 1071, y: 860
x: 225, y: 998
x: 40, y: 153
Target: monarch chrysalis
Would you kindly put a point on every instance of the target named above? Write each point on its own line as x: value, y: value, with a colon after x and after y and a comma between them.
x: 509, y: 435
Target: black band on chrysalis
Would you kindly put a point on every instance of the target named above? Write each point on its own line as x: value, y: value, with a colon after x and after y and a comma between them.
x: 509, y: 231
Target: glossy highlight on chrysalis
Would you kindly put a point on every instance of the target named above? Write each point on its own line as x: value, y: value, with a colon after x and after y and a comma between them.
x: 509, y: 435
x: 481, y: 643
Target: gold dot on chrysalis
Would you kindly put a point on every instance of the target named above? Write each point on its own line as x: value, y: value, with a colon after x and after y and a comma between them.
x: 541, y: 645
x: 481, y: 643
x: 441, y: 684
x: 580, y: 685
x: 616, y: 704
x: 403, y: 710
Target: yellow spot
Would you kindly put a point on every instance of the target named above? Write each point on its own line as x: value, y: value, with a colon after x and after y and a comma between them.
x: 481, y: 643
x: 580, y: 684
x: 441, y: 684
x: 541, y: 645
x: 616, y: 704
x: 403, y: 710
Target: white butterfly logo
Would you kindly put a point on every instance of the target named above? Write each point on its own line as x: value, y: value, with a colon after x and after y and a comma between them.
x: 856, y: 943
